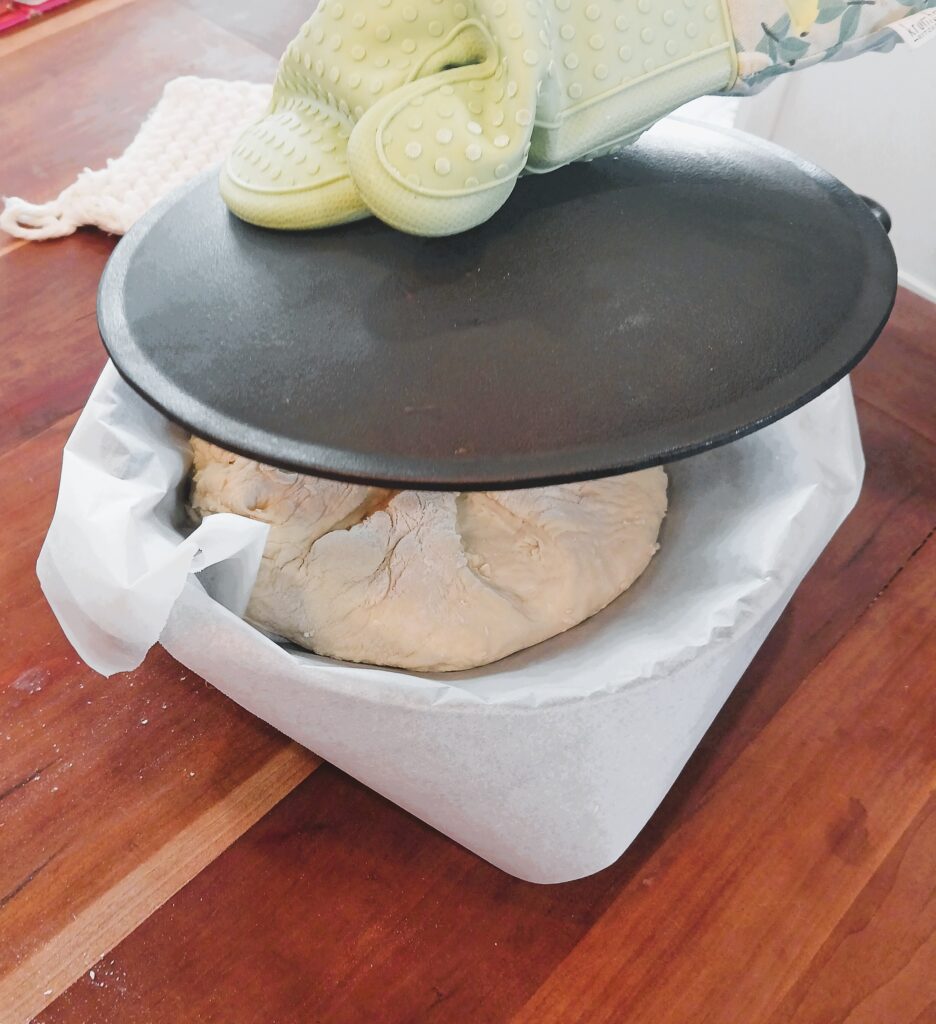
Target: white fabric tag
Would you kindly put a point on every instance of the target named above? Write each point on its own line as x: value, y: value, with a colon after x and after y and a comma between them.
x: 918, y: 29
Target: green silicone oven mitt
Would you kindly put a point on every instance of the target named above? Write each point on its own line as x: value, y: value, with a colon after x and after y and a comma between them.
x: 425, y: 112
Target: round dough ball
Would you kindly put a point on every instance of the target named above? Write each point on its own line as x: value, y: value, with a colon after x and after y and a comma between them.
x: 428, y: 580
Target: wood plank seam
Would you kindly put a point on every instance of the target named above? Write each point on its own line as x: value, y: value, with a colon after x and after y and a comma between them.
x: 900, y: 568
x: 52, y: 26
x: 36, y: 982
x: 534, y: 1008
x: 31, y: 777
x: 13, y: 245
x: 890, y: 414
x: 867, y: 608
x: 21, y: 885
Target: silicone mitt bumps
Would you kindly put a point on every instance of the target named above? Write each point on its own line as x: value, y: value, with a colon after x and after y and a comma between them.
x: 425, y: 112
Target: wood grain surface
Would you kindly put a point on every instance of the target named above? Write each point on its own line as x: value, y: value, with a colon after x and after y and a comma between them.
x: 165, y: 857
x: 113, y: 792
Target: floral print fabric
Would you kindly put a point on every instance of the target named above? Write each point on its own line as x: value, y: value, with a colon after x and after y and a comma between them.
x: 775, y: 36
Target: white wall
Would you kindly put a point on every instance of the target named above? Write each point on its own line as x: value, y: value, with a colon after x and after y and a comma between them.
x: 870, y: 121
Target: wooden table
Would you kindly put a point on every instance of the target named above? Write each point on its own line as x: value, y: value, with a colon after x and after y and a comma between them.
x: 164, y: 857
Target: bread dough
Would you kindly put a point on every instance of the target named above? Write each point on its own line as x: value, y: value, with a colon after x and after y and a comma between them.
x: 428, y: 580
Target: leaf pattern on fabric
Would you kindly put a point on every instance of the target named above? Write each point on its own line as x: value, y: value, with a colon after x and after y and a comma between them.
x: 849, y: 23
x: 831, y: 12
x: 775, y: 36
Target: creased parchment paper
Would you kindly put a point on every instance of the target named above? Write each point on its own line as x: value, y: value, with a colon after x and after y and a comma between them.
x: 547, y: 763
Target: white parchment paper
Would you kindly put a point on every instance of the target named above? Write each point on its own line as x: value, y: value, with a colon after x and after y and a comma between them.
x: 547, y: 763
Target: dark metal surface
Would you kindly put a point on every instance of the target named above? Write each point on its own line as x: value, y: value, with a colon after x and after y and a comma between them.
x: 882, y: 216
x: 614, y: 315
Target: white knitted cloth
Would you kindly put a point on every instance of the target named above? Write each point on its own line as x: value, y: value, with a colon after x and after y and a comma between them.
x: 194, y: 125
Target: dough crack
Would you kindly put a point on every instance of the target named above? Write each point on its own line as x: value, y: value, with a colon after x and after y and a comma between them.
x: 476, y: 558
x: 377, y: 501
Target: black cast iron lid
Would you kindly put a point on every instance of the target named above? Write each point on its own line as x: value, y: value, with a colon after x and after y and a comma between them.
x: 614, y: 315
